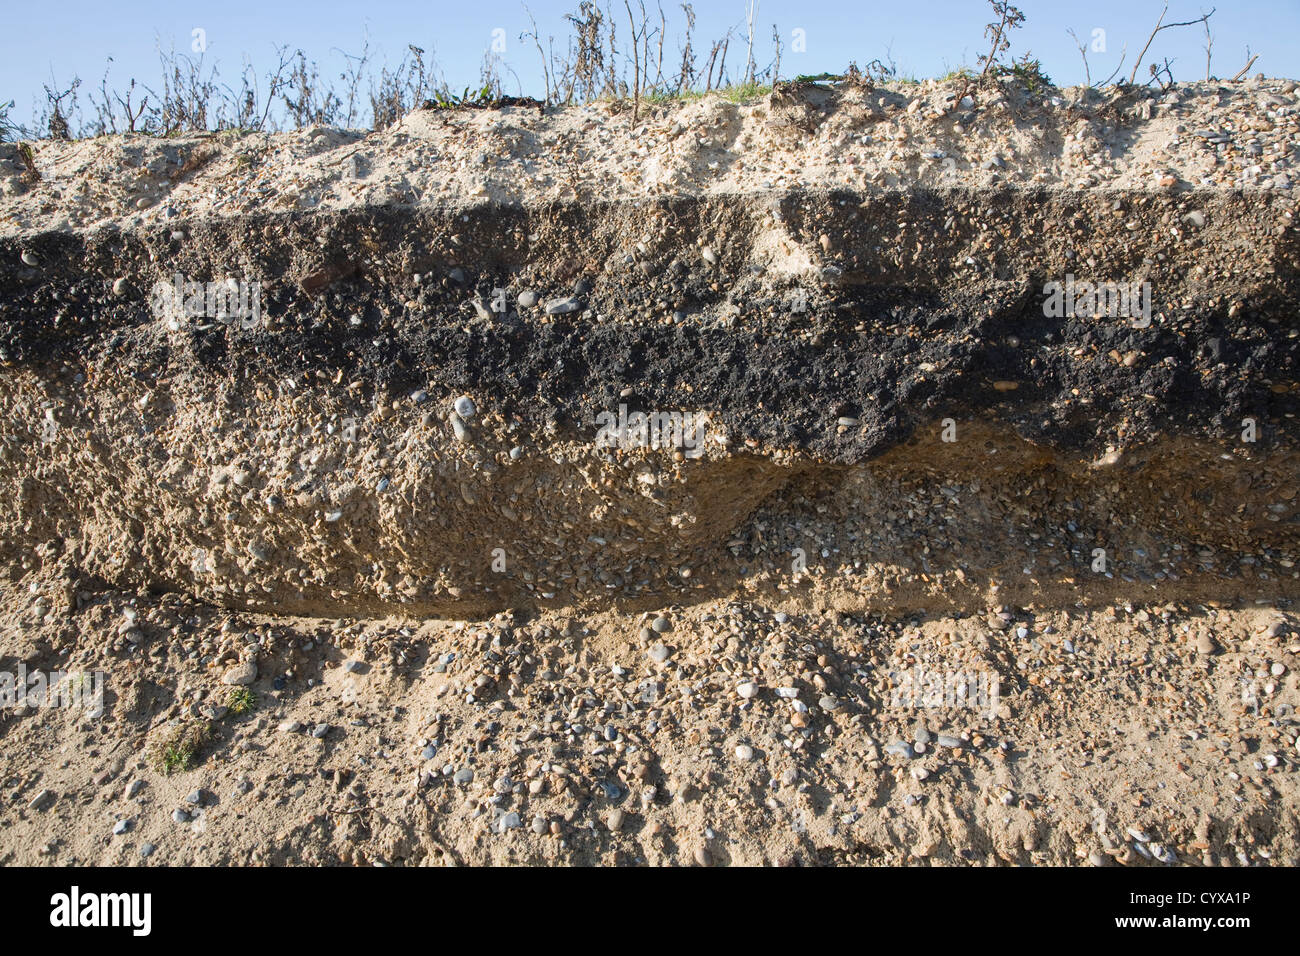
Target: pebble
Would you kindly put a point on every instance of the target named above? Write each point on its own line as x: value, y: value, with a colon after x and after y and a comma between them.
x: 29, y: 258
x: 465, y: 407
x: 120, y: 286
x: 659, y: 653
x: 241, y: 674
x: 195, y: 796
x: 41, y: 799
x: 509, y: 821
x: 290, y: 727
x: 615, y: 820
x: 745, y: 752
x: 352, y: 666
x: 147, y: 850
x: 563, y: 306
x: 922, y: 734
x: 180, y: 816
x: 320, y: 730
x: 828, y: 704
x: 527, y: 299
x: 1204, y: 645
x: 458, y: 427
x: 944, y: 740
x: 661, y: 625
x: 121, y: 826
x: 747, y: 690
x: 134, y: 787
x: 898, y: 748
x: 464, y: 775
x: 429, y: 752
x: 539, y: 825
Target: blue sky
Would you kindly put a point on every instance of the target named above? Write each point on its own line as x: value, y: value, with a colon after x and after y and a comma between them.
x: 924, y: 38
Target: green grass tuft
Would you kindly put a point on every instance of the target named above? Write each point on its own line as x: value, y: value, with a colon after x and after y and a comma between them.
x: 241, y: 701
x: 181, y: 748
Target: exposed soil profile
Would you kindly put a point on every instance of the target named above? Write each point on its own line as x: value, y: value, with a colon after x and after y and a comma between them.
x: 834, y: 478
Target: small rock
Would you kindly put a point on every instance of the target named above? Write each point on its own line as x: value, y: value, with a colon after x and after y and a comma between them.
x: 745, y: 752
x: 241, y: 674
x: 320, y: 730
x: 659, y: 653
x: 563, y: 306
x: 458, y: 428
x: 147, y: 850
x: 41, y: 800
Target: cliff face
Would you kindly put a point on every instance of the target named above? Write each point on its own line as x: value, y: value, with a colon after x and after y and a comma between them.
x: 856, y: 351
